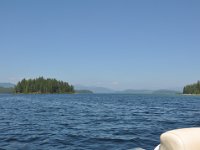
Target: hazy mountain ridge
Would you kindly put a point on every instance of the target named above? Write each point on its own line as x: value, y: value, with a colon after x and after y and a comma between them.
x: 165, y: 91
x: 7, y: 85
x: 133, y: 91
x: 95, y: 89
x: 83, y: 92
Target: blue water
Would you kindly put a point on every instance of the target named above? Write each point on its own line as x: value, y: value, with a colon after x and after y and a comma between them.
x: 92, y: 122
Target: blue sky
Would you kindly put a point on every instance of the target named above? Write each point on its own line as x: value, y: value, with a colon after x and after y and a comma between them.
x: 138, y: 44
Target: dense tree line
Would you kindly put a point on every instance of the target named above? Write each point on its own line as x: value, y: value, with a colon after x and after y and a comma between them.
x: 41, y: 85
x: 192, y: 89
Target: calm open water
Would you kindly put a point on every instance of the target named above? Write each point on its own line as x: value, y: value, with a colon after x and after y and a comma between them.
x: 92, y: 122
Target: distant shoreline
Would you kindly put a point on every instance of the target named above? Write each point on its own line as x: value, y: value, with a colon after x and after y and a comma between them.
x: 191, y: 94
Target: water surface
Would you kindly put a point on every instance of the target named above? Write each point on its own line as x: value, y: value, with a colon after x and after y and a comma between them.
x: 93, y: 121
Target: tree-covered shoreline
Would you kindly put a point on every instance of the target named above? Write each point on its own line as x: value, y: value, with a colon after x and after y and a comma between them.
x: 43, y: 86
x: 192, y: 88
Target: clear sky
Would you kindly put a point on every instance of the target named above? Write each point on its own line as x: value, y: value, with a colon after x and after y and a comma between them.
x: 138, y: 44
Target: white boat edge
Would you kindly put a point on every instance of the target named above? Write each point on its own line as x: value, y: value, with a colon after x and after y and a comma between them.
x: 157, y: 147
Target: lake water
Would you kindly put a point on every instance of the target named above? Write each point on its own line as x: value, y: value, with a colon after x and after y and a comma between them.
x: 92, y: 122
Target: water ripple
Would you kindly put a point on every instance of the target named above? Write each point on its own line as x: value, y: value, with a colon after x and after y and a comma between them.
x: 95, y: 121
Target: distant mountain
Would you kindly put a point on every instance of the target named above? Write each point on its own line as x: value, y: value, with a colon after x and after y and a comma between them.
x: 83, y: 92
x: 7, y: 85
x: 164, y: 91
x: 94, y: 89
x: 132, y: 91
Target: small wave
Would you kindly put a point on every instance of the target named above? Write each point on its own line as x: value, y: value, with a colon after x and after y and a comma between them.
x: 137, y: 148
x: 11, y: 139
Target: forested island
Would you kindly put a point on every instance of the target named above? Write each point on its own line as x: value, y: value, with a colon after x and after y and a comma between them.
x: 192, y: 88
x: 43, y: 86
